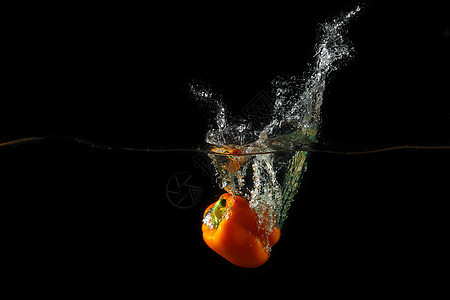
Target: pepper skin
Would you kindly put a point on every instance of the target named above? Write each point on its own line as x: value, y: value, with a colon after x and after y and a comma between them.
x: 236, y: 236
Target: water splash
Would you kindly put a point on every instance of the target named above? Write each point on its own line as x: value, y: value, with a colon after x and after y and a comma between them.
x: 270, y: 181
x: 298, y: 99
x: 224, y: 129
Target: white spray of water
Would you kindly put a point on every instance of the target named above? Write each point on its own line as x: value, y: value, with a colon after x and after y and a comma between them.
x: 273, y: 179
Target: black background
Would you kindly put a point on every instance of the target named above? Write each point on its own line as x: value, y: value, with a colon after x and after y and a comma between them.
x: 78, y: 219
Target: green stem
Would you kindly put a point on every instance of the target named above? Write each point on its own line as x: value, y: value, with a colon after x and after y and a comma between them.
x: 218, y: 212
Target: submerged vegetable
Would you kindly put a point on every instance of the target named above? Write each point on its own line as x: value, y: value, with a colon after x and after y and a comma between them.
x: 230, y: 228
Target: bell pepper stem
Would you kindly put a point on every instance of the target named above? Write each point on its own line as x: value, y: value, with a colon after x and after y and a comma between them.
x: 217, y: 213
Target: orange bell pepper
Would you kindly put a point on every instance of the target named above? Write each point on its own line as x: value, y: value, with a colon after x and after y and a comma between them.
x: 230, y: 228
